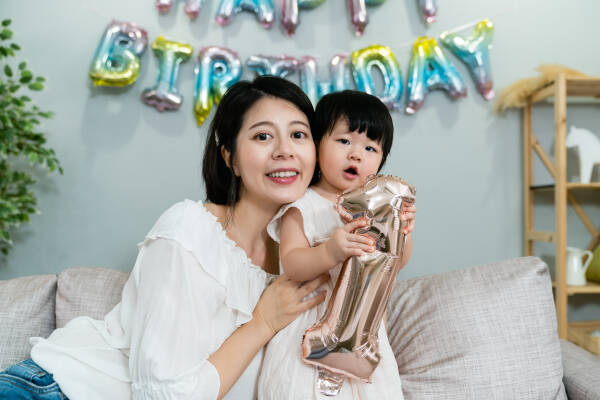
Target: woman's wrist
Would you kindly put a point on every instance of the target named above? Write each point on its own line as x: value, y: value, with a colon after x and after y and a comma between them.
x: 261, y: 327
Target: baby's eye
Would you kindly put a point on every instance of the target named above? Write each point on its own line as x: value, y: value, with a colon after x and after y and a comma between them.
x: 262, y: 136
x: 371, y: 148
x: 343, y: 141
x: 299, y: 135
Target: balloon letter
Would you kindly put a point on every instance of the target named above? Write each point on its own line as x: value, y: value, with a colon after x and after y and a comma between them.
x: 381, y: 57
x: 358, y: 13
x: 475, y: 53
x: 428, y: 10
x: 280, y: 66
x: 429, y: 70
x: 289, y: 12
x: 218, y: 68
x: 264, y: 10
x: 117, y: 58
x: 192, y: 7
x: 310, y: 83
x: 164, y: 94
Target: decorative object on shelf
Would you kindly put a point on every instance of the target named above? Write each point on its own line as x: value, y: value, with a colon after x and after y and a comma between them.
x: 576, y: 268
x: 280, y: 66
x: 383, y: 58
x: 263, y: 9
x: 163, y: 95
x: 593, y: 271
x: 345, y: 341
x: 313, y: 87
x: 21, y: 140
x: 515, y: 95
x: 116, y: 61
x: 430, y: 70
x: 192, y: 7
x: 588, y: 146
x: 217, y: 69
x: 428, y: 10
x: 289, y: 13
x: 474, y: 51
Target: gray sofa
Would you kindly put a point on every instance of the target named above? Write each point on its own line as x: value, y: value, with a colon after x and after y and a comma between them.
x: 487, y: 332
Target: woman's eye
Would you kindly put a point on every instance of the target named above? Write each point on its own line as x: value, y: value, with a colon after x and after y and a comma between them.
x: 299, y: 135
x: 262, y: 136
x: 343, y: 141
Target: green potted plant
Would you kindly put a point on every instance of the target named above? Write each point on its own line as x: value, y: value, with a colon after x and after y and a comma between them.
x: 20, y: 139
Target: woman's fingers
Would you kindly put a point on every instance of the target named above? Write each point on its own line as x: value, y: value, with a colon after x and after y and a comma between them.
x: 310, y: 286
x: 313, y: 301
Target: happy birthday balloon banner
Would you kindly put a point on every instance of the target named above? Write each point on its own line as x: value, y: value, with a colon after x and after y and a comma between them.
x: 117, y: 63
x: 265, y: 11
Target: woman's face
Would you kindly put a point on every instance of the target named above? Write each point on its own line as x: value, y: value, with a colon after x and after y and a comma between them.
x: 275, y: 155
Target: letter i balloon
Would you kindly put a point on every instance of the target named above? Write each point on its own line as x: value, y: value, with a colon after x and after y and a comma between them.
x: 163, y: 95
x: 116, y: 61
x: 474, y: 51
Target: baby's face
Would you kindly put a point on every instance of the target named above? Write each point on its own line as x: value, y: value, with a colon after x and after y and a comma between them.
x: 347, y: 158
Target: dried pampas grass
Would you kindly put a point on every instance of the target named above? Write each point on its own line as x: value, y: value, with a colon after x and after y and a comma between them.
x: 515, y: 95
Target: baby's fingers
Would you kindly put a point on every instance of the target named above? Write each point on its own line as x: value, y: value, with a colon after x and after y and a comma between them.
x: 356, y: 224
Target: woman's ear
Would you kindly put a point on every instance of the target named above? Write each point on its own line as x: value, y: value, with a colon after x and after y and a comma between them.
x: 226, y: 154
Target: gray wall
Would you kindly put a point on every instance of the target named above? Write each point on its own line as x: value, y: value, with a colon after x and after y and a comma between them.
x: 125, y: 163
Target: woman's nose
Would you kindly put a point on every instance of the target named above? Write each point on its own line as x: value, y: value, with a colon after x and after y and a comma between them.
x: 284, y: 149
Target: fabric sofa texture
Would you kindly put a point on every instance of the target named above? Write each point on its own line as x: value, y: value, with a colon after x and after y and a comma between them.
x: 487, y: 332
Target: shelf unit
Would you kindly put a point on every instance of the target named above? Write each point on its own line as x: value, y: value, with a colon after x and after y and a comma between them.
x: 558, y: 91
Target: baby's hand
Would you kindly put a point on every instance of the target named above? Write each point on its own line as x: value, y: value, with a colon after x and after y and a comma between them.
x: 344, y: 244
x: 409, y: 211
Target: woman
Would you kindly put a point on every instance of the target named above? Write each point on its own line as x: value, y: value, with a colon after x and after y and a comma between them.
x: 192, y: 322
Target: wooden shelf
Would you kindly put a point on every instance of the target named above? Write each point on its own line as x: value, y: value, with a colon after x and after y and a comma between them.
x: 589, y: 87
x: 580, y: 334
x: 560, y: 90
x: 570, y: 186
x: 590, y: 288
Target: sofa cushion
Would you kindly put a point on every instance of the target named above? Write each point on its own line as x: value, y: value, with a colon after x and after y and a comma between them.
x: 87, y: 291
x: 26, y: 310
x: 487, y: 332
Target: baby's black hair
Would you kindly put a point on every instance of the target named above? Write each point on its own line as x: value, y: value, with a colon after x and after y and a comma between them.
x: 364, y: 112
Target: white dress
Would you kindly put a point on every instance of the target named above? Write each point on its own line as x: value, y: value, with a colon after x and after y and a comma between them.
x: 284, y: 375
x: 190, y: 288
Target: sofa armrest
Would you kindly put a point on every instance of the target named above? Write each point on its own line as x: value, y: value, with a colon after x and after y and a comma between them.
x: 581, y: 372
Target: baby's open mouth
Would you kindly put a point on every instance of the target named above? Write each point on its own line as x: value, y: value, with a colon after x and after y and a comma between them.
x: 351, y: 170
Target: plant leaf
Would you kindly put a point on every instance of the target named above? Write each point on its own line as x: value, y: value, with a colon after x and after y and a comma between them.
x: 8, y: 71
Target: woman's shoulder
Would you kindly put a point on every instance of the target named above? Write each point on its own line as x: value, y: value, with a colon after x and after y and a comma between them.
x: 195, y: 229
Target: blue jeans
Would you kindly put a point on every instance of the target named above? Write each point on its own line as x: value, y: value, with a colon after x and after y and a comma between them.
x: 28, y: 381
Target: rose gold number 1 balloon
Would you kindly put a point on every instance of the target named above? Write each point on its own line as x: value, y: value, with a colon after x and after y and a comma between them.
x: 345, y: 343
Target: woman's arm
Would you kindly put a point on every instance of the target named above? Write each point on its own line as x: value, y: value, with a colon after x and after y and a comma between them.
x: 302, y: 262
x: 175, y: 307
x: 279, y: 305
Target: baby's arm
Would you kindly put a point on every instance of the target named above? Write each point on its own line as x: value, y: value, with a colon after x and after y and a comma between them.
x: 302, y: 262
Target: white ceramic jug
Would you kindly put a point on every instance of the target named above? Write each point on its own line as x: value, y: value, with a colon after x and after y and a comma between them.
x: 575, y: 266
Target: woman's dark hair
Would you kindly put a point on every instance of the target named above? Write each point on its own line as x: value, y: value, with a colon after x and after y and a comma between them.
x: 222, y: 186
x: 364, y: 112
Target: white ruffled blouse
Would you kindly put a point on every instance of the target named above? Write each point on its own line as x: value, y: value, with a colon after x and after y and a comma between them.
x: 190, y: 288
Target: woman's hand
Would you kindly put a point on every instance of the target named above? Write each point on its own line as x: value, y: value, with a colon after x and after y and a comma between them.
x: 344, y: 243
x: 282, y: 301
x: 409, y: 212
